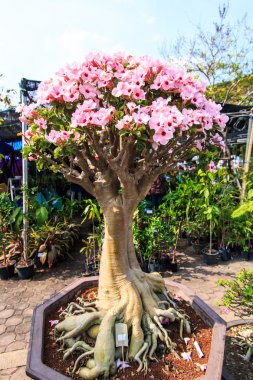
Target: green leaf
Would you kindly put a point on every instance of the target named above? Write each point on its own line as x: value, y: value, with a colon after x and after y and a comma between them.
x: 15, y: 214
x: 43, y: 257
x: 243, y: 209
x: 206, y: 193
x: 250, y: 194
x: 26, y: 151
x: 41, y: 215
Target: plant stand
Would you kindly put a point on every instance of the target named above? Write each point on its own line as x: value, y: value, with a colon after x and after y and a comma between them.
x: 37, y: 370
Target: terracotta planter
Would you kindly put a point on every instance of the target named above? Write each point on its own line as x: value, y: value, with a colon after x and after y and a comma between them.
x: 226, y: 375
x: 37, y: 370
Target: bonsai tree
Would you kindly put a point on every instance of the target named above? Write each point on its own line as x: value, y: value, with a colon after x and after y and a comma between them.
x: 112, y: 124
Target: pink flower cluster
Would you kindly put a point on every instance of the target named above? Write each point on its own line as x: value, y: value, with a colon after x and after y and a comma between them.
x: 87, y: 114
x: 58, y: 137
x: 163, y: 99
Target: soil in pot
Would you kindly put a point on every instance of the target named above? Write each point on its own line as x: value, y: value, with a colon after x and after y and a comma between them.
x: 233, y: 355
x: 167, y: 368
x: 25, y: 269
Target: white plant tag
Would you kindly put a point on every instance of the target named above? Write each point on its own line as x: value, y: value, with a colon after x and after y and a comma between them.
x: 149, y: 211
x: 121, y: 334
x: 200, y: 353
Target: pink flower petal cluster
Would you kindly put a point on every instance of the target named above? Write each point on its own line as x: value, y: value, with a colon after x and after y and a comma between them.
x: 218, y: 141
x: 87, y: 114
x: 168, y: 101
x: 27, y: 111
x: 212, y: 167
x: 41, y: 122
x: 58, y: 137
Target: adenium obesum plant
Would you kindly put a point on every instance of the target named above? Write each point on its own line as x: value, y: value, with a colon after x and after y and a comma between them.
x: 112, y: 124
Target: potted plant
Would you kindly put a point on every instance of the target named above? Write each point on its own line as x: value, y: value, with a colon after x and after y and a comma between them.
x: 104, y: 133
x: 92, y: 250
x: 238, y: 299
x: 6, y: 210
x: 243, y: 221
x: 6, y: 265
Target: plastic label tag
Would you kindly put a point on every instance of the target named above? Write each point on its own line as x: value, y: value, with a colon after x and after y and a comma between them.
x: 121, y: 334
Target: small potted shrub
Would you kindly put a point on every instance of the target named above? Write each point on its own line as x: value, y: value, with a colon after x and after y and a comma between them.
x: 6, y: 211
x: 238, y: 299
x: 6, y: 266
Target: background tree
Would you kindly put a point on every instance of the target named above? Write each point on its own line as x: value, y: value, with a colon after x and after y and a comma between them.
x: 113, y: 124
x: 221, y: 56
x: 5, y: 96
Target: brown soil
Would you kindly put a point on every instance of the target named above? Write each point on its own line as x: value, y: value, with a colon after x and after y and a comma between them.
x: 233, y: 361
x: 167, y: 368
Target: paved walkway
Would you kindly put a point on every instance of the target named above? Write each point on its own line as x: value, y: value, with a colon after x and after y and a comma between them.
x: 18, y: 298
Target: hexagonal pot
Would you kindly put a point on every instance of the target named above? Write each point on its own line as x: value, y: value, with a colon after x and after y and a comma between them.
x: 226, y: 375
x: 36, y: 369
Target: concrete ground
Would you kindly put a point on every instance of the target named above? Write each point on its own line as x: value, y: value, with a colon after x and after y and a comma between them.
x: 19, y: 297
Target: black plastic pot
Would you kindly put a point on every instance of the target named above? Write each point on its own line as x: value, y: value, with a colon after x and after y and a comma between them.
x: 164, y: 263
x: 25, y: 271
x: 225, y: 254
x: 198, y: 247
x: 7, y: 272
x: 4, y: 275
x: 211, y: 258
x: 144, y: 266
x: 173, y: 267
x: 153, y: 266
x: 245, y: 255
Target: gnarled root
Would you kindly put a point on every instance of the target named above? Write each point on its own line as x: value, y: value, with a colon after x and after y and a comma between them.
x: 143, y: 306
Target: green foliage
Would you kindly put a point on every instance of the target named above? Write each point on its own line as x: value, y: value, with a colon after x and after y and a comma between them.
x: 92, y: 210
x: 222, y: 56
x: 238, y: 296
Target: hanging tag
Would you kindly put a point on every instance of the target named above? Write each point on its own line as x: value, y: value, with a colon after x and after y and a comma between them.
x: 121, y: 335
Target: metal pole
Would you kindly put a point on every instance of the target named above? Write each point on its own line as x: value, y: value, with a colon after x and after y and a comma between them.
x: 247, y: 156
x: 25, y: 188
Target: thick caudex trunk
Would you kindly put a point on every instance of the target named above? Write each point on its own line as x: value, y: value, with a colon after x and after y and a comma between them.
x: 125, y: 295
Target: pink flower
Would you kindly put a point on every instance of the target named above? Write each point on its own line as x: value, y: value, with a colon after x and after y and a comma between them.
x: 88, y: 91
x: 41, y: 122
x: 132, y: 106
x: 57, y: 137
x: 125, y: 122
x: 53, y: 322
x: 225, y: 310
x: 138, y: 93
x: 212, y: 167
x: 140, y: 117
x: 162, y: 136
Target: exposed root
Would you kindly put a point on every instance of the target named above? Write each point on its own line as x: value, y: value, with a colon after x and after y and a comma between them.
x: 144, y: 304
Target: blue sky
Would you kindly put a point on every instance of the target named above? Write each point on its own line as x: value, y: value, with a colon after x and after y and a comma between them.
x: 39, y: 36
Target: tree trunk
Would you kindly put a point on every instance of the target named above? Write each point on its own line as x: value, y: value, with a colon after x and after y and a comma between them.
x: 126, y: 295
